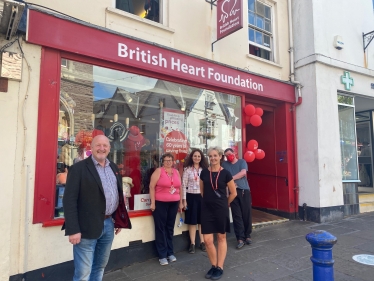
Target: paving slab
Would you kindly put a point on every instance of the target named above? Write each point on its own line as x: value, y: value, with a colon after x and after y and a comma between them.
x: 262, y: 270
x: 278, y: 253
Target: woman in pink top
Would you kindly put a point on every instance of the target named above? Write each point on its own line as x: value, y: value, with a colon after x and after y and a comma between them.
x: 165, y: 190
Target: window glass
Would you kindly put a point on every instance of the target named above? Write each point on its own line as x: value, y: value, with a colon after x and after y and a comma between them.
x: 266, y: 41
x: 267, y: 25
x: 149, y: 9
x: 345, y: 99
x: 258, y: 37
x: 143, y: 118
x: 365, y: 153
x: 260, y: 8
x: 251, y: 18
x: 251, y: 5
x: 259, y: 29
x: 348, y: 144
x: 259, y: 52
x: 260, y: 22
x: 267, y: 12
x: 251, y: 34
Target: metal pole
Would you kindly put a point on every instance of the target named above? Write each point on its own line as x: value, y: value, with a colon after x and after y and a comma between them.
x: 322, y: 243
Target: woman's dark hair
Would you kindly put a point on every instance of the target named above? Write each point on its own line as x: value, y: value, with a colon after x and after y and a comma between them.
x: 189, y: 161
x: 167, y: 155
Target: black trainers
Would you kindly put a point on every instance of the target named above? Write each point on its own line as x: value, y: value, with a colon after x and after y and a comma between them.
x: 217, y: 274
x: 248, y: 241
x: 202, y: 247
x: 209, y: 274
x: 240, y: 244
x: 191, y: 250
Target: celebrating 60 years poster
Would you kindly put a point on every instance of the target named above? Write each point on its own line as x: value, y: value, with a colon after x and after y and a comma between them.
x: 172, y: 133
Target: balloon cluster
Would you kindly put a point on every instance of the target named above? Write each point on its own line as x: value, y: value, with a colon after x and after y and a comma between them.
x: 253, y: 115
x: 253, y: 152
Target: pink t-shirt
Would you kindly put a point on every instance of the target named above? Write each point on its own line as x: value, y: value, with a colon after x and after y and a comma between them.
x: 162, y: 189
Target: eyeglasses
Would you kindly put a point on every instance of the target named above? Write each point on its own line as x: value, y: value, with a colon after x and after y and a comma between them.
x: 168, y: 161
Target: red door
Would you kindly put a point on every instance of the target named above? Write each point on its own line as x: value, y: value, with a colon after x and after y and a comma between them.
x: 272, y: 179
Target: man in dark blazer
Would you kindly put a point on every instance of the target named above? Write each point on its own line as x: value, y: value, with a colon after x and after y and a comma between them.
x: 92, y: 194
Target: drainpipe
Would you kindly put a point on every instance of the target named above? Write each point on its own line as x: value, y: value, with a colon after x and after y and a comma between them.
x: 299, y: 100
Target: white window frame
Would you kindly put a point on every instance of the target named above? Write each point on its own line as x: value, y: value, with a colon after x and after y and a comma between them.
x: 270, y: 49
x: 162, y: 10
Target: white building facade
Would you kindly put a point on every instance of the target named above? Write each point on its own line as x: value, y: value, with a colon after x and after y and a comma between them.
x: 106, y: 66
x: 334, y: 123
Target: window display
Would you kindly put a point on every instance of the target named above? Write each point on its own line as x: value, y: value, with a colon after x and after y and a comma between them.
x: 348, y: 144
x: 143, y: 118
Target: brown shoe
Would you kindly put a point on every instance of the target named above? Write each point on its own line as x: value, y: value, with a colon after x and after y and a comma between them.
x: 248, y: 241
x: 202, y: 247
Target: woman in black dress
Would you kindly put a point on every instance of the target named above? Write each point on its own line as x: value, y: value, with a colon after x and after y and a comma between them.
x: 215, y: 210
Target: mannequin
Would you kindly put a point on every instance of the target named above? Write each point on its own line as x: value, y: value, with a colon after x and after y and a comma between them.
x: 127, y: 185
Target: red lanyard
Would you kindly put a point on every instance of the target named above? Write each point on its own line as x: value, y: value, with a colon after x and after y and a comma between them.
x: 170, y: 177
x: 211, y: 181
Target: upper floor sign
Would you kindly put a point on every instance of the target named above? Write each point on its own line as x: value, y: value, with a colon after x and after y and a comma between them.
x: 229, y: 17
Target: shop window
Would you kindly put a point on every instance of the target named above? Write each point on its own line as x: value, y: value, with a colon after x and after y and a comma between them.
x: 348, y: 145
x: 143, y: 117
x: 149, y: 9
x: 64, y: 62
x: 260, y: 29
x: 231, y: 99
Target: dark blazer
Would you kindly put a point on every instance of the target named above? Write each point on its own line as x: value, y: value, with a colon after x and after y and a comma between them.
x: 84, y: 199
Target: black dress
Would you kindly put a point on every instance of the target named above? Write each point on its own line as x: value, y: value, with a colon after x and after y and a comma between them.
x: 215, y: 209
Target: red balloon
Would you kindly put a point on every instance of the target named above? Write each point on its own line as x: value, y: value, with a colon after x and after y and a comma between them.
x: 256, y: 120
x: 249, y: 156
x: 238, y: 112
x: 259, y: 154
x: 249, y: 109
x: 247, y: 119
x: 259, y: 111
x: 252, y: 145
x: 238, y: 123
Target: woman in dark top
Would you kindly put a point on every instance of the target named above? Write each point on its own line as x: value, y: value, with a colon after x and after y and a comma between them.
x: 215, y: 210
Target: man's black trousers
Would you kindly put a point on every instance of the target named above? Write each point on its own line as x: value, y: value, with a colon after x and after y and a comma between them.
x: 241, y: 210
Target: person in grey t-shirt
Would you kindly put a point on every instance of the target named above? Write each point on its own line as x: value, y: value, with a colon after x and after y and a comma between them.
x: 241, y: 207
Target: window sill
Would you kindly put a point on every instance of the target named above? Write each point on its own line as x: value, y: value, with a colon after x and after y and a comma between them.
x: 138, y: 19
x: 264, y: 60
x: 132, y: 214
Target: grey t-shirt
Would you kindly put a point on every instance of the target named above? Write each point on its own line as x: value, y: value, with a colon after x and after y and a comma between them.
x: 241, y: 183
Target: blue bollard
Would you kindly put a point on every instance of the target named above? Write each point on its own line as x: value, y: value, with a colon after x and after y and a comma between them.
x: 322, y: 243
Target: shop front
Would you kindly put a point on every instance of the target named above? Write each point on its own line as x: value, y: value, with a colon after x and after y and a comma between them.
x: 148, y: 100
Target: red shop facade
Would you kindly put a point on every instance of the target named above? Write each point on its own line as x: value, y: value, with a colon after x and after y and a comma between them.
x: 273, y: 180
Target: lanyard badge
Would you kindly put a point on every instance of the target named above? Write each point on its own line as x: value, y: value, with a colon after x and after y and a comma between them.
x: 172, y: 188
x: 216, y: 187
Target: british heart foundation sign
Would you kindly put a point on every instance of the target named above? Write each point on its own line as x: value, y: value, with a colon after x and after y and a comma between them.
x: 229, y: 17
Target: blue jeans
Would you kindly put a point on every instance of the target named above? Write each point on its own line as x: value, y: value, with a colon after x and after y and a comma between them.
x: 92, y: 255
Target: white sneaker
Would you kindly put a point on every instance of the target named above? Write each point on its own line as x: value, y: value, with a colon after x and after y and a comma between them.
x: 172, y: 258
x: 163, y: 261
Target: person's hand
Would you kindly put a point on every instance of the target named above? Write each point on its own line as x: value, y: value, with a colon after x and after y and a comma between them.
x: 184, y: 204
x: 180, y: 209
x: 117, y: 230
x: 75, y: 238
x: 153, y: 207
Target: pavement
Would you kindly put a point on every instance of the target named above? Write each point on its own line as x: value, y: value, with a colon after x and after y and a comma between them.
x: 279, y: 252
